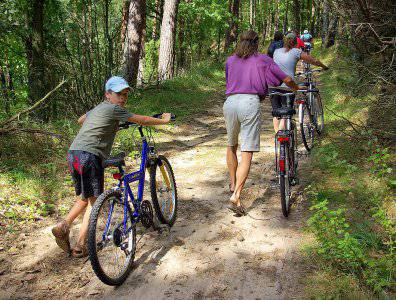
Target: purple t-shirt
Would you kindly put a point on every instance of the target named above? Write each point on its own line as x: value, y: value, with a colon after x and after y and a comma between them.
x: 252, y: 75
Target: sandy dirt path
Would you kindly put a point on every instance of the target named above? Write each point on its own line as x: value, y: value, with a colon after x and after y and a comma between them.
x: 208, y: 254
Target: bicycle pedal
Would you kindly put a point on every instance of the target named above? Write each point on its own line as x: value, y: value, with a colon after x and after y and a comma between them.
x: 147, y: 216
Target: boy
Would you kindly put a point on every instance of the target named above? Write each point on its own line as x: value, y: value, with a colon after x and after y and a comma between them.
x: 90, y: 147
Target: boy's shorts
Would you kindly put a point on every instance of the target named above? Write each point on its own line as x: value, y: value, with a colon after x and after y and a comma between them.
x: 87, y: 173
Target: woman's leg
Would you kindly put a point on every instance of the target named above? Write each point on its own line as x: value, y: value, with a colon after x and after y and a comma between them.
x: 232, y: 164
x: 241, y: 176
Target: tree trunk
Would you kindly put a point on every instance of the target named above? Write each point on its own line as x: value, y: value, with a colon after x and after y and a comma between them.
x: 124, y: 23
x: 6, y: 103
x: 142, y: 60
x: 182, y: 47
x: 251, y: 13
x: 285, y: 20
x: 325, y: 20
x: 313, y: 16
x: 167, y: 40
x: 297, y: 17
x: 331, y: 32
x: 276, y: 15
x: 109, y: 50
x: 133, y: 40
x: 156, y: 20
x: 35, y: 51
x: 269, y: 25
x: 232, y: 31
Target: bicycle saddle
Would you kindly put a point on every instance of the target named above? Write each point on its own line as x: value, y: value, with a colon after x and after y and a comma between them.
x: 115, y: 161
x: 283, y: 111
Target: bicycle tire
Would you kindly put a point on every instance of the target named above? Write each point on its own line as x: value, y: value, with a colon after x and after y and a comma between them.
x: 284, y: 184
x: 306, y: 128
x: 92, y: 242
x: 154, y: 195
x: 319, y: 115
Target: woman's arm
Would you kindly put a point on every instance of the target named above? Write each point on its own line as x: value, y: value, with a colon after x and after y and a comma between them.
x: 309, y: 59
x: 291, y: 84
x: 82, y: 119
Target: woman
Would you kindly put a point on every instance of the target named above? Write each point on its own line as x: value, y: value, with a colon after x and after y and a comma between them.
x: 248, y: 75
x: 286, y: 58
x: 275, y: 44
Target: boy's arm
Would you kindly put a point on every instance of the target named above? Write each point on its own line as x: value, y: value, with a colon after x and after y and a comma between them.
x: 146, y: 120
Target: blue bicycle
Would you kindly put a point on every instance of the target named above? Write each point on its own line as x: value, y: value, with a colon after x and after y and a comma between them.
x: 112, y: 226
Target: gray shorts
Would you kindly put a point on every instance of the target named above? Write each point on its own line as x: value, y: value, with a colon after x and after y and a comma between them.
x: 242, y: 114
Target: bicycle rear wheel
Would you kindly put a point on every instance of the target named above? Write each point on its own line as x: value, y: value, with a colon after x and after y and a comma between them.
x: 111, y: 238
x: 307, y: 129
x: 163, y: 190
x: 284, y: 180
x: 319, y: 114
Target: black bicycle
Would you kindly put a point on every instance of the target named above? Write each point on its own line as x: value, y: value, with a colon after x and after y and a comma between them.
x: 310, y: 110
x: 286, y: 154
x: 286, y: 159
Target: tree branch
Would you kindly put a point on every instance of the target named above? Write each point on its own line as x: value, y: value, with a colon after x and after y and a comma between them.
x: 27, y: 110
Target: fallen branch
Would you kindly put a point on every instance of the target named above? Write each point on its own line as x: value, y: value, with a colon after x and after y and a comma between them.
x: 27, y: 110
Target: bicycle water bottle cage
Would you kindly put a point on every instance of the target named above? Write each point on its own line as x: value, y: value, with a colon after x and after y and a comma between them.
x: 115, y: 161
x: 283, y: 111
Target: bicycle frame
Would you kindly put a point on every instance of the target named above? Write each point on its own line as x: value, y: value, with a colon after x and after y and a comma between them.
x: 125, y: 180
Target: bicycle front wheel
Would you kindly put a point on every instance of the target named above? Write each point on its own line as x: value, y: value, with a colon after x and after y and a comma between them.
x: 163, y: 190
x: 111, y: 238
x: 306, y: 128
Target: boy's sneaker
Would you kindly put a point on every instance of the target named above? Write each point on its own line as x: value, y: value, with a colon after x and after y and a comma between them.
x: 61, y: 232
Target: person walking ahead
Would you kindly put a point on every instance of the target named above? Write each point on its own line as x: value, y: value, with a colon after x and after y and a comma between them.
x: 91, y: 146
x: 287, y: 58
x: 275, y: 44
x: 248, y: 75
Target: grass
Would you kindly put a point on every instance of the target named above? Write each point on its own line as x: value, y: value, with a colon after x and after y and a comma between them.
x: 34, y: 179
x: 353, y: 211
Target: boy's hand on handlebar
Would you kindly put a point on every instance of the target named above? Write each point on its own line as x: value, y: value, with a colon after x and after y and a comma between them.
x: 166, y: 117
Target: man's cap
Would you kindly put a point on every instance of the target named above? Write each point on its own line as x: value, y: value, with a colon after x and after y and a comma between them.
x: 291, y: 36
x: 305, y: 31
x: 116, y: 84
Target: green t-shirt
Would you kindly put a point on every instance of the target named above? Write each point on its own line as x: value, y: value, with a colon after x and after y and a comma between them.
x: 99, y: 129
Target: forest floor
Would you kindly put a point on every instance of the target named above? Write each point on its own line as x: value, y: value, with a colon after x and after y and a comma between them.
x: 208, y: 253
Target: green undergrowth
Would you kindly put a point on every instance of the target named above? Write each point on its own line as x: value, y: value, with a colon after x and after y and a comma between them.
x: 352, y: 193
x: 34, y: 179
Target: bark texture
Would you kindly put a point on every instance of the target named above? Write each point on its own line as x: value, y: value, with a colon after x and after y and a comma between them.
x: 167, y: 40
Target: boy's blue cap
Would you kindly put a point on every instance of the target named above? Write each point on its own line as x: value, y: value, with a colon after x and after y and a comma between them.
x: 116, y: 84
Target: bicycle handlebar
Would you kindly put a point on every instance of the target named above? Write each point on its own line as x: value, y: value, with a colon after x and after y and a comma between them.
x: 309, y: 72
x: 291, y: 92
